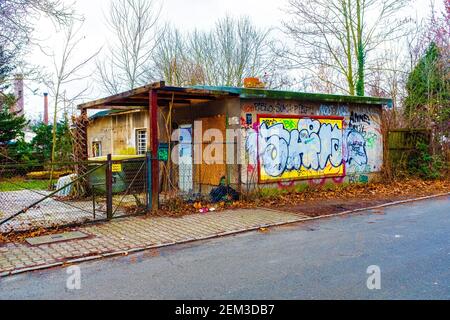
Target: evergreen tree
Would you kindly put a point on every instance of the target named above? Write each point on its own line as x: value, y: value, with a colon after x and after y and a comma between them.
x: 428, y: 90
x: 42, y: 142
x: 64, y: 141
x: 11, y: 125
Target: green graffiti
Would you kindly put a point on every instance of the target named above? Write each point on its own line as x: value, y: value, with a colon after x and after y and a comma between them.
x: 364, y: 179
x: 371, y: 139
x: 289, y: 124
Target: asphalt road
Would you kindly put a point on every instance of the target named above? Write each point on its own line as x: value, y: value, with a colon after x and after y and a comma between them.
x: 324, y: 259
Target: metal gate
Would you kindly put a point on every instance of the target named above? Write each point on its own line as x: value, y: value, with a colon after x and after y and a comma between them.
x: 108, y: 189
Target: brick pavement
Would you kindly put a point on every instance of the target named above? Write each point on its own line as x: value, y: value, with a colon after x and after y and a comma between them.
x: 136, y: 233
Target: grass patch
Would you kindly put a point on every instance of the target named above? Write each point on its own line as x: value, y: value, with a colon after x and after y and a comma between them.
x: 21, y: 184
x: 271, y: 192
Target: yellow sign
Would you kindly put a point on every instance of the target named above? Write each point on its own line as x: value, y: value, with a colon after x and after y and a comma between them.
x: 117, y: 167
x: 300, y: 148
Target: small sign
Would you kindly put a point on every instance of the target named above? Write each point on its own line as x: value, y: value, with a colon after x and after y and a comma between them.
x: 117, y: 167
x: 163, y: 152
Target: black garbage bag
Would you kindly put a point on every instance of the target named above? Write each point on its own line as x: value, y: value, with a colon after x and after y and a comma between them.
x: 223, y: 193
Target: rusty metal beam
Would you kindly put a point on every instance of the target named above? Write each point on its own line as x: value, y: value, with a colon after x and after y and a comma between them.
x: 154, y: 144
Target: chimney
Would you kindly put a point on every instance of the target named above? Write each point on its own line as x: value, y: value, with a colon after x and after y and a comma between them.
x: 18, y: 108
x: 46, y: 108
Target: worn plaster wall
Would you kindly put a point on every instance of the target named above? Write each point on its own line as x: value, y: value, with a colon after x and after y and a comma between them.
x: 292, y: 142
x: 117, y: 133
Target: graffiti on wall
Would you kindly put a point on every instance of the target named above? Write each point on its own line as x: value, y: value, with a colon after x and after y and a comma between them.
x: 331, y: 143
x: 276, y: 108
x: 304, y: 148
x: 290, y: 148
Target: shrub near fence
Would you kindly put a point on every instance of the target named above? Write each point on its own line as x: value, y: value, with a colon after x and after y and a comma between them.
x: 402, y: 145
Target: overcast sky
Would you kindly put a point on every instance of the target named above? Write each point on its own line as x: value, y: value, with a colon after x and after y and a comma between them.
x: 184, y: 14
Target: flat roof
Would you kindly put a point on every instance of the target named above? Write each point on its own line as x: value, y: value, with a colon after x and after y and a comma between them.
x: 248, y: 93
x: 139, y: 97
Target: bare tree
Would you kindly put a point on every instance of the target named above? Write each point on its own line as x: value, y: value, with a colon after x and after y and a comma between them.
x: 231, y: 51
x: 134, y: 24
x: 239, y: 50
x: 172, y: 60
x: 17, y: 19
x: 341, y: 34
x: 68, y: 68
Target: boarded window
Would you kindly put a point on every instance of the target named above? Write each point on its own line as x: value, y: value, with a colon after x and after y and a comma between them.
x: 141, y: 141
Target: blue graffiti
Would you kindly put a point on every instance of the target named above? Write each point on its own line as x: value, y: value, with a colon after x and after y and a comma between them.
x: 312, y: 145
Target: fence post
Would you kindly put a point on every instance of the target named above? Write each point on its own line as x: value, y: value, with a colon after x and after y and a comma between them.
x: 148, y: 159
x: 109, y: 193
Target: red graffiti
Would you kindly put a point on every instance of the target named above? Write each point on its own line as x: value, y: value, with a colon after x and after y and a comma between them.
x: 286, y: 184
x: 249, y: 108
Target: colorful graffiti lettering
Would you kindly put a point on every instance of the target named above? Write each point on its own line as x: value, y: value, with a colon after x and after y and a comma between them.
x: 304, y: 148
x: 293, y: 148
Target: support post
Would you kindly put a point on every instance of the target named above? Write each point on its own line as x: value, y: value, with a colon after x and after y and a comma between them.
x: 148, y: 160
x: 154, y: 143
x: 109, y: 193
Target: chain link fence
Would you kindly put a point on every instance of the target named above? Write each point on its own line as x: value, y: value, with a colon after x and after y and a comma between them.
x: 36, y: 195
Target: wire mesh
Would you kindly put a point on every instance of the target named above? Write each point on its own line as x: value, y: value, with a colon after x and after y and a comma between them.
x: 30, y: 199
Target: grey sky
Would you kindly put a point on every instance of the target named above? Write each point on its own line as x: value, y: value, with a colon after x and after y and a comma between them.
x: 186, y: 15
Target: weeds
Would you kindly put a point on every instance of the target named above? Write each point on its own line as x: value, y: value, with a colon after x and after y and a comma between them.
x: 424, y: 165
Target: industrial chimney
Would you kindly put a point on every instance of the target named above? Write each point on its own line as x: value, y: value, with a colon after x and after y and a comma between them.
x: 18, y: 108
x: 46, y: 108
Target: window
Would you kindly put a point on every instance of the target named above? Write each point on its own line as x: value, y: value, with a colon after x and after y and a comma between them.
x: 96, y: 149
x: 141, y: 141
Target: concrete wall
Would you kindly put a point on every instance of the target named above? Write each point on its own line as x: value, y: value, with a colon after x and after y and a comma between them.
x: 117, y: 133
x: 301, y: 142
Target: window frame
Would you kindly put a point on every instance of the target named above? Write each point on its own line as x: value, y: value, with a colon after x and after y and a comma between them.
x: 141, y: 148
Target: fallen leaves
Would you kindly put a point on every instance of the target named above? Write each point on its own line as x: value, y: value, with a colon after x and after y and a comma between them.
x: 20, y: 237
x: 314, y: 201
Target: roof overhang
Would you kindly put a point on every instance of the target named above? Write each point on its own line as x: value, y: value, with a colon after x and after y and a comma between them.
x: 139, y: 97
x: 181, y: 96
x: 250, y: 93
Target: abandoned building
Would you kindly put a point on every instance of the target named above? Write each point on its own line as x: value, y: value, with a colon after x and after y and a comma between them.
x: 288, y: 138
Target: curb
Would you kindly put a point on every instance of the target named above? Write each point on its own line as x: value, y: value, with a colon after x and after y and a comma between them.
x: 214, y: 236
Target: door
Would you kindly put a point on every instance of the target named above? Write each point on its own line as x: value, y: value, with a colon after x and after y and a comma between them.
x: 185, y: 168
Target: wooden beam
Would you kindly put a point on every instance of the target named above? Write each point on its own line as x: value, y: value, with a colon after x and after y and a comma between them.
x: 127, y: 94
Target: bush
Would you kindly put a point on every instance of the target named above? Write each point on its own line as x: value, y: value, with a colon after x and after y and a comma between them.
x: 421, y: 163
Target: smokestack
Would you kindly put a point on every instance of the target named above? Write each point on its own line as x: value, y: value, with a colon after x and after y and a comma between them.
x: 46, y: 108
x: 18, y: 108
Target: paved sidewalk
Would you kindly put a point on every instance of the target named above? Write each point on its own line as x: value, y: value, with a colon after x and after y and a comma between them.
x: 135, y: 234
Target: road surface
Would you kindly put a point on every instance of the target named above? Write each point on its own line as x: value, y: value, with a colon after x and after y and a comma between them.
x: 324, y: 259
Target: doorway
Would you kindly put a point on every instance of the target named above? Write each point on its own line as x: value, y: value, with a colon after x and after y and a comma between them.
x: 186, y: 166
